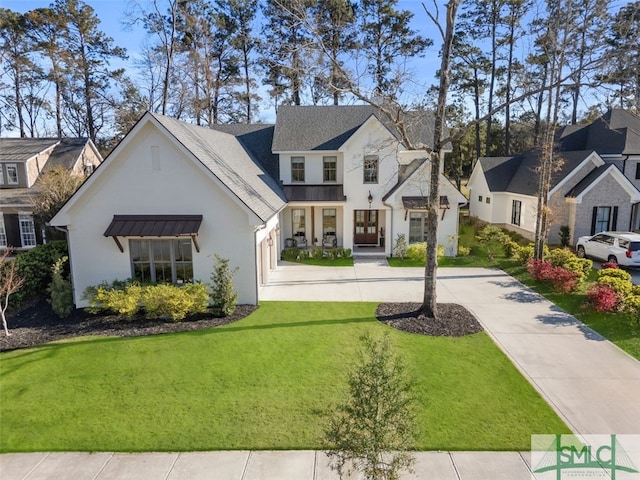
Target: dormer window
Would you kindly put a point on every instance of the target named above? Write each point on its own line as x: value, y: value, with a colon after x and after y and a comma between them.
x: 297, y: 169
x: 371, y: 169
x: 12, y: 174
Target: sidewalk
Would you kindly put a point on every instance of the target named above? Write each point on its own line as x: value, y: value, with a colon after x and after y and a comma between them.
x: 245, y: 465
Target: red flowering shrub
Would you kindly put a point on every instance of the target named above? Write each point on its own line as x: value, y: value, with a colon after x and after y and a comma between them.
x: 562, y: 280
x: 610, y: 265
x: 603, y: 298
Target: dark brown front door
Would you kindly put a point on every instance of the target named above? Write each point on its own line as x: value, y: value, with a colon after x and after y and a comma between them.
x: 365, y: 227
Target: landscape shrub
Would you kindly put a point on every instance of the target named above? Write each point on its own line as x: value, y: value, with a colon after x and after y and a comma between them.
x: 60, y: 290
x: 122, y: 298
x: 614, y: 273
x: 289, y: 254
x: 525, y: 252
x: 565, y: 258
x: 561, y: 279
x: 613, y: 265
x: 35, y: 267
x: 174, y: 302
x: 620, y: 286
x: 317, y: 253
x: 632, y: 305
x: 603, y: 298
x: 417, y: 251
x: 463, y: 251
x: 223, y: 295
x: 400, y: 247
x: 510, y: 248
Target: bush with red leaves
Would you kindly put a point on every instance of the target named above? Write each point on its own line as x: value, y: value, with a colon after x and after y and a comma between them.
x: 562, y: 280
x: 603, y: 298
x: 610, y: 265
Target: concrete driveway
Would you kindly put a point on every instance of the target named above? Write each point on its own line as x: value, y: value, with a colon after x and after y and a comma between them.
x: 592, y: 384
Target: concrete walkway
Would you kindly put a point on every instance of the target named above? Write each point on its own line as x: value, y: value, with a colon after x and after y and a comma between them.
x: 245, y: 465
x: 591, y: 384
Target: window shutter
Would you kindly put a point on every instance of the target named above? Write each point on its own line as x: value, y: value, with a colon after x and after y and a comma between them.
x: 614, y: 219
x: 12, y: 229
x: 594, y: 216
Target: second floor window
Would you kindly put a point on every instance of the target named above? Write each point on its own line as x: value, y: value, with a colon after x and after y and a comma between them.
x: 297, y: 169
x: 329, y: 168
x: 12, y: 174
x: 371, y: 169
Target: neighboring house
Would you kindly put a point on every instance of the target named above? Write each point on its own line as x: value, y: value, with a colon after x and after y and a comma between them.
x: 594, y: 187
x: 172, y: 194
x: 22, y: 162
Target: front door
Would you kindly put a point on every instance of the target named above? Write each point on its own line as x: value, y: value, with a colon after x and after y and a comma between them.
x: 365, y: 227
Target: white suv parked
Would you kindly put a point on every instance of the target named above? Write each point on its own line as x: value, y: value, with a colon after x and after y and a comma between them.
x: 622, y: 248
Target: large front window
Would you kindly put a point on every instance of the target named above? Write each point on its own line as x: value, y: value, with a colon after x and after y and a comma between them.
x: 162, y: 261
x: 27, y: 230
x: 328, y: 221
x: 417, y: 227
x: 297, y: 169
x: 516, y: 210
x: 329, y: 168
x: 603, y: 215
x: 298, y: 223
x: 371, y: 169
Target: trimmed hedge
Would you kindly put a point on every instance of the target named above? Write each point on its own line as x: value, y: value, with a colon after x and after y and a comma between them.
x: 154, y: 301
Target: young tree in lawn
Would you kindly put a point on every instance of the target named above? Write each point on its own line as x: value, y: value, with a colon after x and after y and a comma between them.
x: 10, y: 283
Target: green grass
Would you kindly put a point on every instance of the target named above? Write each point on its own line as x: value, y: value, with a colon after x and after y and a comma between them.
x: 622, y: 329
x: 264, y: 382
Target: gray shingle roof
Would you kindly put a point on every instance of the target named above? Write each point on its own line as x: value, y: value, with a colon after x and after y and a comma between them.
x: 616, y: 132
x: 306, y: 128
x: 520, y: 174
x: 232, y: 163
x: 65, y: 153
x: 258, y: 138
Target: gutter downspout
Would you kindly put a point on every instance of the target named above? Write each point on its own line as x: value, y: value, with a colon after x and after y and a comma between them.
x: 390, y: 230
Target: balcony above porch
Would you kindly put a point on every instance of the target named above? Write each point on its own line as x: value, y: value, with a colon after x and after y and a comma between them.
x: 314, y: 193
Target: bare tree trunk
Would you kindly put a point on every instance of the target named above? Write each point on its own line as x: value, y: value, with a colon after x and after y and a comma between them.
x: 429, y: 305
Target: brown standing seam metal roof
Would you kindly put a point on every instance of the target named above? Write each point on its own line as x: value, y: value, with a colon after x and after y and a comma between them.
x: 153, y: 225
x: 314, y: 193
x: 420, y: 203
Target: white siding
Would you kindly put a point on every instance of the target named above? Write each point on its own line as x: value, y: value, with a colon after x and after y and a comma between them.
x: 129, y: 185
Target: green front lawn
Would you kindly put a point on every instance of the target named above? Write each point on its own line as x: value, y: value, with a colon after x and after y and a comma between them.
x: 261, y: 383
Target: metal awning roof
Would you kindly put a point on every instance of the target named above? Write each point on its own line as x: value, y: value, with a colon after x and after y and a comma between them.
x: 153, y: 226
x: 314, y: 193
x: 420, y: 203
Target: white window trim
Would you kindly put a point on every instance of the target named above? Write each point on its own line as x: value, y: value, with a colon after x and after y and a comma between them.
x: 301, y: 160
x: 27, y: 217
x: 330, y: 158
x: 3, y: 233
x: 9, y: 180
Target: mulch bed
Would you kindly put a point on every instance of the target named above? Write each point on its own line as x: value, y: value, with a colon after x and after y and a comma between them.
x: 36, y: 324
x: 453, y: 320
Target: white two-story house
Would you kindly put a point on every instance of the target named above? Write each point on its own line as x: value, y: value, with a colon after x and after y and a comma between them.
x: 172, y: 194
x: 349, y: 180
